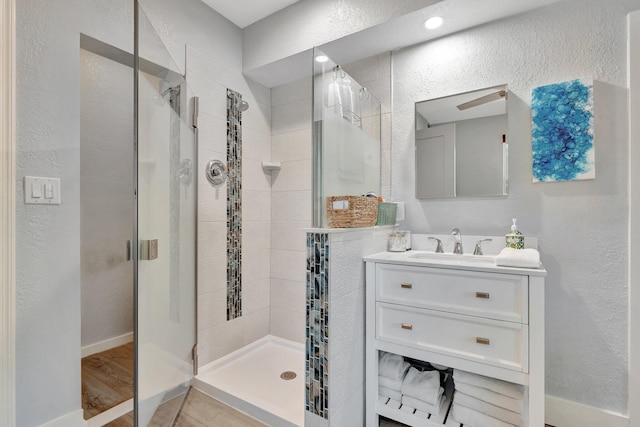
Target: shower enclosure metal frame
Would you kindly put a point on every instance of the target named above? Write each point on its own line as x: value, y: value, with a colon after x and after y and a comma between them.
x: 134, y: 238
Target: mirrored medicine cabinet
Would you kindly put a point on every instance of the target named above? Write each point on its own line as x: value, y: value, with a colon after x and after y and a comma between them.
x: 462, y: 145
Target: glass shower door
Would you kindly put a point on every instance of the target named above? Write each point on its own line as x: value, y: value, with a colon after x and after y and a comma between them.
x: 165, y: 333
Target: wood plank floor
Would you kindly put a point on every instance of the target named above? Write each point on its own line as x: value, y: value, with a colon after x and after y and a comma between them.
x: 199, y: 410
x: 107, y: 379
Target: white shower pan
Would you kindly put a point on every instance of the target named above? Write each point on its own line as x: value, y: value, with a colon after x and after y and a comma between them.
x: 249, y: 379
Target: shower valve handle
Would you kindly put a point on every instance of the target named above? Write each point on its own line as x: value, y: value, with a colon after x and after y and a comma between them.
x: 216, y: 172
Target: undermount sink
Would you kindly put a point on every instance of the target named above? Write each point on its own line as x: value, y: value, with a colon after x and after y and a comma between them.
x: 454, y: 258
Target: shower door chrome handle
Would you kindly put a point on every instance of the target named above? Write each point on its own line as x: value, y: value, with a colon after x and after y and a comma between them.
x: 148, y: 250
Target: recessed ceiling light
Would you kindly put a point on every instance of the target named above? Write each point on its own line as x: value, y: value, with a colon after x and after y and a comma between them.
x: 322, y: 58
x: 433, y: 22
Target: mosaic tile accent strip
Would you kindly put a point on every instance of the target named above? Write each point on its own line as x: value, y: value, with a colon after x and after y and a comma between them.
x: 234, y: 206
x: 317, y: 340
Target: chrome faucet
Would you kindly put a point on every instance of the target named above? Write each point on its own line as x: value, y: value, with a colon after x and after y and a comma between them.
x: 438, y: 245
x: 457, y: 246
x: 478, y: 249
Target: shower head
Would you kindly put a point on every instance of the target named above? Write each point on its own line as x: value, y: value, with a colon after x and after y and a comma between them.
x: 243, y: 106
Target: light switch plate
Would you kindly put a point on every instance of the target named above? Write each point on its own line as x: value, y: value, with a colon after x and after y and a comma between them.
x: 41, y: 190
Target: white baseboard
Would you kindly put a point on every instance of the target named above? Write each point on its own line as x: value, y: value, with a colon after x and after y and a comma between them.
x: 110, y: 414
x: 565, y: 413
x: 106, y: 344
x: 72, y: 419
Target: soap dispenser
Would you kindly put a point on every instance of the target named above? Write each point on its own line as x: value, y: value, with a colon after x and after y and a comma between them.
x: 514, y: 239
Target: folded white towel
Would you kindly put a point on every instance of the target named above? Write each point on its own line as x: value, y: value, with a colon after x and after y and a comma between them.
x: 488, y: 409
x: 471, y: 418
x: 395, y: 404
x: 418, y: 404
x: 437, y: 409
x: 423, y: 385
x: 390, y: 393
x: 513, y: 390
x: 527, y: 258
x: 407, y: 409
x: 392, y: 366
x: 422, y: 414
x: 486, y: 395
x: 389, y: 383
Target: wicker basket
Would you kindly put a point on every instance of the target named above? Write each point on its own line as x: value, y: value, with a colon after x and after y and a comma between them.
x: 387, y: 213
x: 351, y: 211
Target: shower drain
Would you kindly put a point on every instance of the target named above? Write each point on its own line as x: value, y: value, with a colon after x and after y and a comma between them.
x: 288, y: 375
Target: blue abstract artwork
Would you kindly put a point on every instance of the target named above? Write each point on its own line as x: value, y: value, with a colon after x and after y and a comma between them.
x: 562, y: 132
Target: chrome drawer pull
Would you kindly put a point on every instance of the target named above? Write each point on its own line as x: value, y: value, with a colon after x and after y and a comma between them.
x: 408, y: 326
x: 484, y: 295
x: 406, y: 285
x: 484, y: 341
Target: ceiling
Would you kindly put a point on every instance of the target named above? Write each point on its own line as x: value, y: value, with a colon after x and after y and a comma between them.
x: 245, y: 12
x: 403, y: 31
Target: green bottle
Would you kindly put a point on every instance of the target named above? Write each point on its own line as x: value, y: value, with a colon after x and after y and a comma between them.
x: 514, y: 239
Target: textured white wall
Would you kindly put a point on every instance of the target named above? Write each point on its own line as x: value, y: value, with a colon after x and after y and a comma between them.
x: 310, y: 23
x: 106, y: 211
x: 196, y: 24
x: 48, y: 144
x: 582, y: 226
x: 48, y: 237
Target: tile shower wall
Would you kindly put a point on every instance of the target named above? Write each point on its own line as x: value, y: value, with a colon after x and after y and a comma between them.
x: 217, y: 336
x: 335, y: 331
x: 291, y: 186
x: 290, y: 206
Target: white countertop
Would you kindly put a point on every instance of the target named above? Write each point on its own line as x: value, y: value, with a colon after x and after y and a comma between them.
x: 450, y: 261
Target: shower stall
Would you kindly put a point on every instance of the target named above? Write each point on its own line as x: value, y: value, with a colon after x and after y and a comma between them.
x: 127, y: 158
x: 138, y: 230
x: 151, y: 222
x: 271, y: 378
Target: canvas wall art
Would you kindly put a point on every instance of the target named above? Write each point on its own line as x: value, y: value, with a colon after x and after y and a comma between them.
x: 562, y: 132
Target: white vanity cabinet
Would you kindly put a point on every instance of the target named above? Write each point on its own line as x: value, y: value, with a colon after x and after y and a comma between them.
x: 474, y: 317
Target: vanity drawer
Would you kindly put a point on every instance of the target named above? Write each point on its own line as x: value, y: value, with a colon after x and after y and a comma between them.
x: 491, y: 295
x: 497, y: 343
